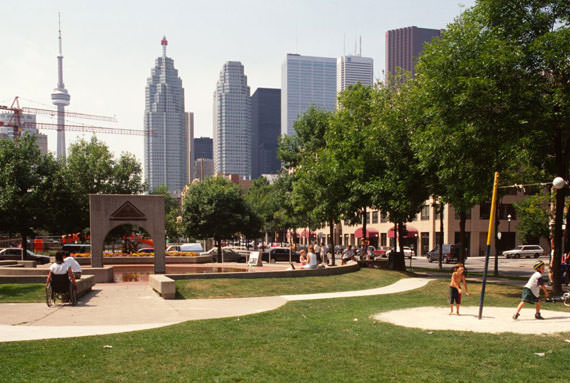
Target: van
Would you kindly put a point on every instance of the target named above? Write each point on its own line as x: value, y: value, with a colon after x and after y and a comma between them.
x: 450, y: 254
x: 192, y: 247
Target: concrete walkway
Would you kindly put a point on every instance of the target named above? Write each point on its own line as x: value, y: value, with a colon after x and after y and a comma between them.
x: 113, y: 308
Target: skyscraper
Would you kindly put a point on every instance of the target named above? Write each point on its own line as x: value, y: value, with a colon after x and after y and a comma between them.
x: 266, y: 127
x: 28, y: 121
x: 306, y: 81
x: 165, y: 125
x: 203, y: 148
x: 60, y: 98
x: 404, y: 45
x: 232, y: 122
x: 353, y: 69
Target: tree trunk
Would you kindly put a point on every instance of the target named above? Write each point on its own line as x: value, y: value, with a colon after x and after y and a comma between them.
x: 440, y: 242
x: 556, y: 274
x: 363, y: 245
x: 220, y: 253
x: 462, y: 219
x: 331, y: 244
x: 24, y: 246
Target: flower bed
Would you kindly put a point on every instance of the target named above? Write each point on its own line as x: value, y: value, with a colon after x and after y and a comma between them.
x: 108, y: 254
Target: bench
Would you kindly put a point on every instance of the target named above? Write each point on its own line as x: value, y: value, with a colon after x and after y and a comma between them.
x: 163, y: 285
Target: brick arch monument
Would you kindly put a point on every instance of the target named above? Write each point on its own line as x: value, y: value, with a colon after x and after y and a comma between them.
x: 107, y: 211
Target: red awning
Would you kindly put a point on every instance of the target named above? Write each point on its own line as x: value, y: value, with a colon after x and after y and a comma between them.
x: 307, y: 233
x: 412, y: 232
x: 370, y: 232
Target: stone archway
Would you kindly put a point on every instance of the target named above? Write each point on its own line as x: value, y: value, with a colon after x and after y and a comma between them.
x: 107, y: 211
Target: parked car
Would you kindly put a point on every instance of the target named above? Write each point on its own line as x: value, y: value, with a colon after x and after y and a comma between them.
x: 15, y: 254
x: 408, y: 252
x: 76, y: 248
x: 146, y: 250
x: 186, y: 247
x: 527, y: 251
x: 450, y: 253
x: 381, y: 251
x: 229, y: 255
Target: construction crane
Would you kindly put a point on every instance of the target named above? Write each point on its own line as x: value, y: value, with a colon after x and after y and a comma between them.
x: 16, y: 123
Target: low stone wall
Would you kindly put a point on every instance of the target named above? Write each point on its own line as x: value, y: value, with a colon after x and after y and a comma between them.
x: 34, y: 275
x: 163, y: 285
x: 102, y: 274
x: 297, y: 273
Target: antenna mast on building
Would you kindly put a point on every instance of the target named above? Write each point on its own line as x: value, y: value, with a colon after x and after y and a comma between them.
x: 60, y: 98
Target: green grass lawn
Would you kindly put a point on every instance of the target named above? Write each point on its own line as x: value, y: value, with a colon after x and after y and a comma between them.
x: 20, y: 292
x: 306, y: 341
x: 233, y: 288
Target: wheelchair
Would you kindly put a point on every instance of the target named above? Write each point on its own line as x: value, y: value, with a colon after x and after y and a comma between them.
x: 60, y: 288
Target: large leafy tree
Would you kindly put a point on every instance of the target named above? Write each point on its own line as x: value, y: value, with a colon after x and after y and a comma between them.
x: 533, y: 214
x: 32, y: 188
x: 94, y: 170
x: 214, y: 208
x: 172, y: 211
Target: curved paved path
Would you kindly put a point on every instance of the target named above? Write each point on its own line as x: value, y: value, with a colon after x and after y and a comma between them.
x: 112, y: 308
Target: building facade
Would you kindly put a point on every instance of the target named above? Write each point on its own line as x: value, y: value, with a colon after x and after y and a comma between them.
x: 166, y: 127
x: 404, y: 45
x: 203, y: 148
x: 28, y: 123
x: 266, y: 128
x: 423, y: 231
x: 353, y: 69
x: 232, y: 122
x: 306, y: 81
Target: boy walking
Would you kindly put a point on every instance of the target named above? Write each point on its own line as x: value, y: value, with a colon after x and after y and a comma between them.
x: 531, y: 291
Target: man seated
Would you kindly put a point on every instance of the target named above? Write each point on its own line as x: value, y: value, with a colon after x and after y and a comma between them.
x: 347, y: 255
x: 60, y: 268
x: 72, y: 263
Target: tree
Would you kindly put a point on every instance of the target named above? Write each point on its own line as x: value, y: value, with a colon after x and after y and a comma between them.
x: 172, y: 211
x: 260, y: 199
x: 26, y: 185
x: 94, y: 171
x: 533, y: 214
x: 214, y: 208
x: 467, y: 129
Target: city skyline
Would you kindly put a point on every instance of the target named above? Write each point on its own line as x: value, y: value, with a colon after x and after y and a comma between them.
x: 108, y: 47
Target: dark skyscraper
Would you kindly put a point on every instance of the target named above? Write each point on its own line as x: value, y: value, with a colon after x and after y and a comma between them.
x: 266, y: 127
x: 404, y: 45
x: 203, y: 148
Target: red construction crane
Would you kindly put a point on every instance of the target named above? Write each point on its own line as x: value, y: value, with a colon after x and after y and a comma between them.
x: 16, y: 121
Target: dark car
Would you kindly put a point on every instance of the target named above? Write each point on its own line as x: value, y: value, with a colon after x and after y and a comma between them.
x: 279, y: 254
x: 15, y: 254
x: 73, y: 248
x: 450, y: 254
x: 229, y: 255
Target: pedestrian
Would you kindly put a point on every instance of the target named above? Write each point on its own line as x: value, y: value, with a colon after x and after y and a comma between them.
x: 531, y: 291
x: 324, y: 251
x: 457, y: 278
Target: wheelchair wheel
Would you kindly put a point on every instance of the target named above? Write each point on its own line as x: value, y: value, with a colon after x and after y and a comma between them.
x: 50, y: 299
x: 72, y: 295
x: 566, y: 297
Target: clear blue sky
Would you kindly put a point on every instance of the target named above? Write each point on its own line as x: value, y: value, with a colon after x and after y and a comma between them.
x: 110, y: 46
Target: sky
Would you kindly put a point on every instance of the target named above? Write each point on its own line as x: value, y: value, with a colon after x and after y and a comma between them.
x: 110, y: 46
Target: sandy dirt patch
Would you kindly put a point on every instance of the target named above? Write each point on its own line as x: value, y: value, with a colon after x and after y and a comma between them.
x: 495, y: 320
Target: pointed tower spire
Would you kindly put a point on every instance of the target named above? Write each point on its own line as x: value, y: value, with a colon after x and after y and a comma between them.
x: 164, y: 43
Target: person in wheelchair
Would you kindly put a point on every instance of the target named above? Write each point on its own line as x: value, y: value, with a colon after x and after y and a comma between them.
x: 61, y: 281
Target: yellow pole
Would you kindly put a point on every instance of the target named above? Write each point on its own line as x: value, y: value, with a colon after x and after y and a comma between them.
x: 489, y: 236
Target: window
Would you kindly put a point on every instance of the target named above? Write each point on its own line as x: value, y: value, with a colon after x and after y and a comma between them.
x: 425, y: 213
x: 467, y: 215
x: 367, y: 217
x: 374, y: 217
x: 383, y: 239
x: 383, y: 217
x: 424, y: 243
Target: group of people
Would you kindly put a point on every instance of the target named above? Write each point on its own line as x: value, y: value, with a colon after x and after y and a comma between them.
x: 309, y: 258
x: 530, y: 292
x: 65, y: 264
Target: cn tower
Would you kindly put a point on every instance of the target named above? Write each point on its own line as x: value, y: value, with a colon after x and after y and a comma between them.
x: 60, y: 98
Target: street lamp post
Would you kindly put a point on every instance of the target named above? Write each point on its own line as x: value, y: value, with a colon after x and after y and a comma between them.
x: 558, y: 183
x: 509, y: 217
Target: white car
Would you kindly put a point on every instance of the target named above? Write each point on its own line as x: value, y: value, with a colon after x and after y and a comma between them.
x: 408, y: 252
x: 526, y: 251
